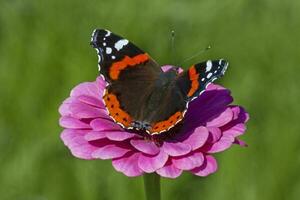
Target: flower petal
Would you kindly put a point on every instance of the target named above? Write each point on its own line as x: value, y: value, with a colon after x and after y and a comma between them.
x: 90, y: 100
x: 209, y: 166
x: 110, y: 151
x: 169, y: 171
x: 166, y: 68
x: 176, y: 148
x: 87, y: 89
x: 197, y: 138
x: 118, y: 135
x: 128, y: 164
x: 240, y: 142
x: 74, y: 140
x: 64, y: 108
x: 151, y: 163
x: 81, y: 110
x: 147, y: 147
x: 208, y: 105
x: 224, y: 143
x: 188, y: 162
x: 222, y: 119
x: 94, y: 135
x: 104, y: 125
x: 70, y: 122
x: 214, y: 134
x: 235, y: 130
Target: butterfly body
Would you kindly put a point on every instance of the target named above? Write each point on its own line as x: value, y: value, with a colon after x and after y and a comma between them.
x: 139, y: 95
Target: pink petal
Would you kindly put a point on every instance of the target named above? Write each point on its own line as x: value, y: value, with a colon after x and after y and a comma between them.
x: 70, y: 122
x: 169, y: 171
x: 94, y: 135
x: 88, y: 89
x: 213, y: 86
x: 224, y: 143
x: 147, y: 147
x: 214, y: 134
x: 64, y: 109
x: 176, y: 148
x: 150, y: 164
x: 128, y: 165
x: 92, y: 101
x: 235, y: 130
x: 118, y: 135
x: 222, y: 119
x: 209, y: 166
x: 81, y: 111
x: 188, y: 162
x: 197, y: 138
x: 101, y: 83
x: 74, y: 140
x: 240, y: 142
x: 104, y: 125
x: 166, y: 68
x: 110, y: 151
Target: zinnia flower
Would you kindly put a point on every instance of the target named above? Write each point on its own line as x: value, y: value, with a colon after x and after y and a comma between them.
x: 211, y: 125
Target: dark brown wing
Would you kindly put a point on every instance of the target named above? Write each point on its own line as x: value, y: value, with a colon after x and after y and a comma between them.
x: 130, y: 72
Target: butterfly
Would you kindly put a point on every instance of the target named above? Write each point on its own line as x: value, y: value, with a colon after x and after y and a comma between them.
x: 139, y: 95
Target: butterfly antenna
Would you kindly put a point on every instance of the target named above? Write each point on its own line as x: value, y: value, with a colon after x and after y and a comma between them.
x: 173, y: 46
x: 197, y: 54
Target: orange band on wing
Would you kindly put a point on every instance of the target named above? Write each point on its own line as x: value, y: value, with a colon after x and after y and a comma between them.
x: 117, y: 67
x: 164, y: 125
x: 113, y: 106
x: 194, y: 76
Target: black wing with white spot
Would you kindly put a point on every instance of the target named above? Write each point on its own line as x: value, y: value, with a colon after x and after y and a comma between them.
x: 116, y: 54
x: 194, y: 81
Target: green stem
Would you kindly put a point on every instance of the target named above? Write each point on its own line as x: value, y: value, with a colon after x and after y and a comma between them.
x: 152, y: 186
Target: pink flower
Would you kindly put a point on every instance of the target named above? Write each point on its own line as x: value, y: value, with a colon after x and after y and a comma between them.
x: 211, y: 125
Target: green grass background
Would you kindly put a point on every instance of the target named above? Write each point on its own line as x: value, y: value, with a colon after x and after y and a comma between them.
x: 45, y: 51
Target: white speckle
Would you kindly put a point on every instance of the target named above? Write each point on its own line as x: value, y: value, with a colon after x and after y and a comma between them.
x: 113, y: 57
x: 104, y: 44
x: 220, y: 61
x: 209, y: 75
x: 120, y: 44
x: 108, y: 33
x: 104, y: 38
x: 108, y: 50
x: 202, y: 79
x: 208, y: 65
x: 215, y: 71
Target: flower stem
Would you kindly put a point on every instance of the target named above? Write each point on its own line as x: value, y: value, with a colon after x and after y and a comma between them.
x: 152, y: 186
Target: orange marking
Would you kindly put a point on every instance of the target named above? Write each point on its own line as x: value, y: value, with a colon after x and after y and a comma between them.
x: 117, y: 67
x: 194, y: 76
x: 113, y: 106
x: 164, y: 125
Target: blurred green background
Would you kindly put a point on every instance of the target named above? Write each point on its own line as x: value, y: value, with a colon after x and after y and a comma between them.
x: 45, y: 51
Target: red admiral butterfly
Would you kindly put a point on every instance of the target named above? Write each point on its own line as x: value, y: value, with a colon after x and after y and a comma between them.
x: 139, y: 95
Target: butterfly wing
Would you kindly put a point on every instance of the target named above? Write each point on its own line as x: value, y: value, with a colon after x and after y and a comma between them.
x: 195, y: 80
x: 130, y: 72
x: 184, y: 88
x: 117, y: 54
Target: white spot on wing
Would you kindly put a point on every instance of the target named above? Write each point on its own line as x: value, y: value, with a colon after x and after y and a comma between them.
x: 209, y: 75
x: 108, y: 50
x: 120, y: 44
x: 208, y: 66
x: 113, y: 57
x: 108, y: 33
